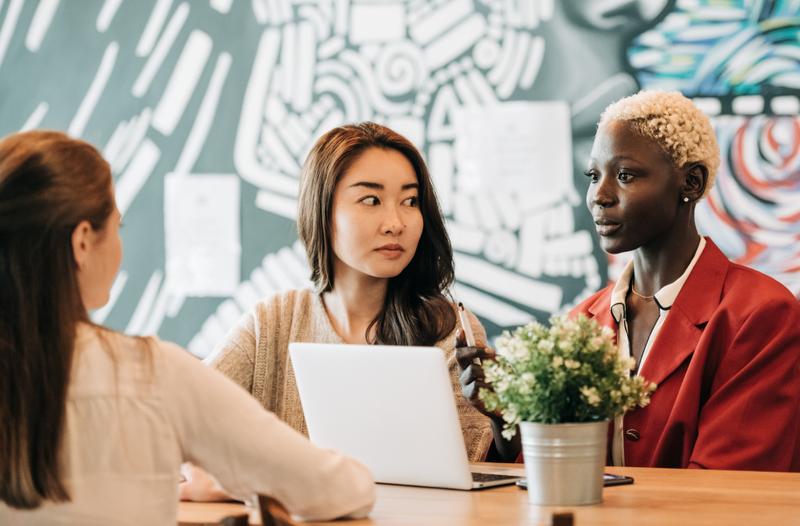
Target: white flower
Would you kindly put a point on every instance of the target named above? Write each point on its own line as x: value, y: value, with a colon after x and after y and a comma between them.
x: 565, y: 345
x: 557, y: 361
x: 510, y: 414
x: 571, y: 364
x: 520, y: 350
x: 502, y: 349
x: 591, y: 395
x: 528, y: 378
x: 502, y: 385
x: 545, y: 346
x: 608, y: 333
x: 629, y: 363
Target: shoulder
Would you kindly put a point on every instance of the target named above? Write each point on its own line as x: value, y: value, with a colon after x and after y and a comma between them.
x: 106, y: 358
x: 745, y: 289
x: 740, y: 277
x: 285, y: 303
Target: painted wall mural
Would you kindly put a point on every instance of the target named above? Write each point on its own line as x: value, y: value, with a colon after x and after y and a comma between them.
x: 741, y: 61
x: 206, y: 110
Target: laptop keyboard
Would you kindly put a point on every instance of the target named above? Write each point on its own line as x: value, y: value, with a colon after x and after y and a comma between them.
x: 490, y: 477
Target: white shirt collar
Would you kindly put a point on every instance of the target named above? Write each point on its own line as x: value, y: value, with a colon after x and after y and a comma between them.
x: 665, y: 297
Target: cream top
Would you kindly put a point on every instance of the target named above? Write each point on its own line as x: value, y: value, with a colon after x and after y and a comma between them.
x: 133, y: 416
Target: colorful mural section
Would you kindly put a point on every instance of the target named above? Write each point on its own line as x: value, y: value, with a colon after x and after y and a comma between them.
x: 740, y: 60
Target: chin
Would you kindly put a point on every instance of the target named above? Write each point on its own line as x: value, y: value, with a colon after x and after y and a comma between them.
x: 613, y: 247
x: 388, y: 272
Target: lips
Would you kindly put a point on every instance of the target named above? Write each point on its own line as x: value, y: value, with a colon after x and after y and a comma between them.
x: 605, y: 226
x: 392, y: 251
x: 391, y: 247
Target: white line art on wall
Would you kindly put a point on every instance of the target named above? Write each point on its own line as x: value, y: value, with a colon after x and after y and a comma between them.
x: 175, y: 93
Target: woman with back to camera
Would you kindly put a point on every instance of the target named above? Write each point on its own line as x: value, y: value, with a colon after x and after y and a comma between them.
x: 95, y: 424
x: 381, y: 262
x: 721, y: 340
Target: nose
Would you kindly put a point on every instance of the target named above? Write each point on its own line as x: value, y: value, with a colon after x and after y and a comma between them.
x: 392, y: 221
x: 601, y: 193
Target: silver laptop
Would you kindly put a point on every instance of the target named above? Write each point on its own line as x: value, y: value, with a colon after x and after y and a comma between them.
x: 393, y: 409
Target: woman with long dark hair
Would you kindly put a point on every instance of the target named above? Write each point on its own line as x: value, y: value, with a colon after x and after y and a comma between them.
x: 381, y: 264
x: 95, y: 424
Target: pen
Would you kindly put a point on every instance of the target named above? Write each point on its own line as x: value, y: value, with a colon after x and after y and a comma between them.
x: 462, y: 315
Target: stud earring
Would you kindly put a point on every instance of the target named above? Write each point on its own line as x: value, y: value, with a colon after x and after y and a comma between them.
x: 685, y: 199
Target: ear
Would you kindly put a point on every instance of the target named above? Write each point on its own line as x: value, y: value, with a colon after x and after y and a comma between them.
x: 81, y: 242
x: 694, y: 183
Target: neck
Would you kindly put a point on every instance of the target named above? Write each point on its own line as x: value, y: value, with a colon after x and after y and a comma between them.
x: 353, y: 303
x: 661, y: 262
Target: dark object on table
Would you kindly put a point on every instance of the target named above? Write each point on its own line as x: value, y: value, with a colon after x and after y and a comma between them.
x: 273, y: 513
x: 235, y: 520
x: 609, y: 480
x: 563, y: 519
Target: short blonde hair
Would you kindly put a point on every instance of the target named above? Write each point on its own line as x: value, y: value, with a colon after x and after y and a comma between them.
x: 683, y: 132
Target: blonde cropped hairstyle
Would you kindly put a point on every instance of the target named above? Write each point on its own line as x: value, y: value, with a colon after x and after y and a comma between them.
x: 683, y: 132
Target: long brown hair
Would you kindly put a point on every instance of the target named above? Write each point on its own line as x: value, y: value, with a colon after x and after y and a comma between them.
x: 415, y: 310
x: 49, y: 183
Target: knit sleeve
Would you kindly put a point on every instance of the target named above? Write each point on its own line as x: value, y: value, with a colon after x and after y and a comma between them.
x: 234, y: 355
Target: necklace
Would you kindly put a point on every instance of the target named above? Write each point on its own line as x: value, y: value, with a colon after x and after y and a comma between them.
x: 648, y: 298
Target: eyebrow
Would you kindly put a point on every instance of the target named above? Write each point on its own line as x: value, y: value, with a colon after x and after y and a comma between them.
x: 615, y: 159
x: 378, y: 186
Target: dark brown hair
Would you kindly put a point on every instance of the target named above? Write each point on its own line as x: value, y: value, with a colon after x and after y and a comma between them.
x: 49, y: 183
x: 415, y: 311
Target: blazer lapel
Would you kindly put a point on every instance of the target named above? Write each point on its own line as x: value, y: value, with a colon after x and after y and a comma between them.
x: 600, y: 310
x: 696, y: 302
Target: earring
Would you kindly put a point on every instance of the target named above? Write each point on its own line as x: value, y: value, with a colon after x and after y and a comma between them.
x: 685, y: 199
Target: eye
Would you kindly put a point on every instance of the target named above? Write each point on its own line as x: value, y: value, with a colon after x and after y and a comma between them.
x: 371, y: 200
x: 592, y: 176
x: 412, y: 201
x: 624, y: 177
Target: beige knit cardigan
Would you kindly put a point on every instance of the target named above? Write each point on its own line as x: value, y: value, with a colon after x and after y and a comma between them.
x: 255, y: 354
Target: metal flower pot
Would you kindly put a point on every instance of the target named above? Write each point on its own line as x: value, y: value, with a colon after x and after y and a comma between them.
x: 564, y: 463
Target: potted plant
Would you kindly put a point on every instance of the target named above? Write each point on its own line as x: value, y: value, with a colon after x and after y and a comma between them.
x: 561, y: 385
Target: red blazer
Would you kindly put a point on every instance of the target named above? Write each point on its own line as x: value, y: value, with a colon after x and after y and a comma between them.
x: 727, y: 365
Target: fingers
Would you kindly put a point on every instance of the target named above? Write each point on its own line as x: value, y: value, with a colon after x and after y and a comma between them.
x: 461, y: 339
x: 470, y: 374
x: 466, y: 355
x: 472, y: 379
x: 199, y: 486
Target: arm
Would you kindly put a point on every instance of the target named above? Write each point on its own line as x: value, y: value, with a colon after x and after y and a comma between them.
x: 472, y: 379
x: 249, y: 450
x: 750, y: 420
x: 235, y: 355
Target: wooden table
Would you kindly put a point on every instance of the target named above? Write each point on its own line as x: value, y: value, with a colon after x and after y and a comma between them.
x: 657, y: 497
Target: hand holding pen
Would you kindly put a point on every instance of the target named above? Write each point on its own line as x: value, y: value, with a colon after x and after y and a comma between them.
x: 468, y: 354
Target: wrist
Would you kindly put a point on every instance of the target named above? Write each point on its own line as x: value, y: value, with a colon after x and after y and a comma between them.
x: 497, y: 420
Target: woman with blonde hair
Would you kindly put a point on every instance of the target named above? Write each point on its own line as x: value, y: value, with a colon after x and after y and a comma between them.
x: 381, y: 264
x: 95, y: 424
x: 719, y: 339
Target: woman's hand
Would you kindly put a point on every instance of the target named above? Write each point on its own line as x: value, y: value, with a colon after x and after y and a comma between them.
x: 471, y: 375
x: 198, y: 486
x: 472, y: 380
